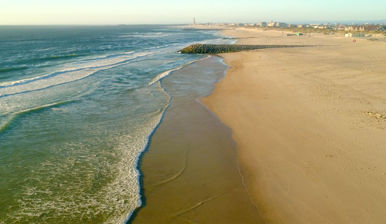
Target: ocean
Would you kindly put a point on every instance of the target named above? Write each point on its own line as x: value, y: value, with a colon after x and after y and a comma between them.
x: 78, y: 105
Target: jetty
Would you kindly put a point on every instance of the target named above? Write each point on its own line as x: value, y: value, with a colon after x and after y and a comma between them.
x: 226, y: 48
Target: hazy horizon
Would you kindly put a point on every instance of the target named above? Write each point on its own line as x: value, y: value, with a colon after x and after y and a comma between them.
x: 103, y: 12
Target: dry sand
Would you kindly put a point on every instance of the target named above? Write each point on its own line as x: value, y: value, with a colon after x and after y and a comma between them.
x: 310, y: 126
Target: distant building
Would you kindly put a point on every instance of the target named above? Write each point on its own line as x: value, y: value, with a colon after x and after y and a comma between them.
x: 355, y: 28
x: 278, y: 24
x: 262, y: 24
x: 382, y: 28
x: 340, y: 27
x: 250, y: 25
x: 370, y: 27
x: 271, y: 24
x: 320, y: 26
x: 300, y: 25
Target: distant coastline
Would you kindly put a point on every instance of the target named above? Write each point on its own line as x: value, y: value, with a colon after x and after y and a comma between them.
x: 373, y: 31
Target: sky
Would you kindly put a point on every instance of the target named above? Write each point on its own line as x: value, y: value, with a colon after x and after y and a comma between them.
x: 40, y: 12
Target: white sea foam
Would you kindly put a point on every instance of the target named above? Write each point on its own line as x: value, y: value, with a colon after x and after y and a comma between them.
x: 5, y: 120
x: 118, y: 198
x: 145, y: 35
x: 17, y: 104
x: 68, y: 73
x: 10, y: 83
x: 80, y: 181
x: 162, y: 75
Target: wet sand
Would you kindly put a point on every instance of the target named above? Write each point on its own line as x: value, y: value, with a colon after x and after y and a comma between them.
x: 310, y: 126
x: 190, y: 171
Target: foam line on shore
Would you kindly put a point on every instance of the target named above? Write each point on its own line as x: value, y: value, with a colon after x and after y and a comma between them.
x: 157, y: 79
x: 131, y: 215
x: 8, y: 120
x: 162, y: 75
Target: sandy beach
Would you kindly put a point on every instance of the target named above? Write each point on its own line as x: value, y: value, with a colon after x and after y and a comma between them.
x: 190, y: 171
x: 310, y: 125
x: 193, y: 112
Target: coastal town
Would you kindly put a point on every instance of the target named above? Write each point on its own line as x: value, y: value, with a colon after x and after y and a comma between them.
x: 359, y: 30
x: 325, y: 26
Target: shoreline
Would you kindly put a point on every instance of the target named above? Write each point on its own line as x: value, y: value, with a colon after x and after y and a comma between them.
x: 190, y: 173
x: 142, y: 201
x: 158, y: 79
x: 281, y: 104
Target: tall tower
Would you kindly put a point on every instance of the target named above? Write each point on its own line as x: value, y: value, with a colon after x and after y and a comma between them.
x: 194, y: 20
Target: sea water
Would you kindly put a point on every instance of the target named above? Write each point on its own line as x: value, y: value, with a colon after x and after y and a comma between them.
x: 77, y: 107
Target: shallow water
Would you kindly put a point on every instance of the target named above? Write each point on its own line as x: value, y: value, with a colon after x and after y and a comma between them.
x: 76, y: 110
